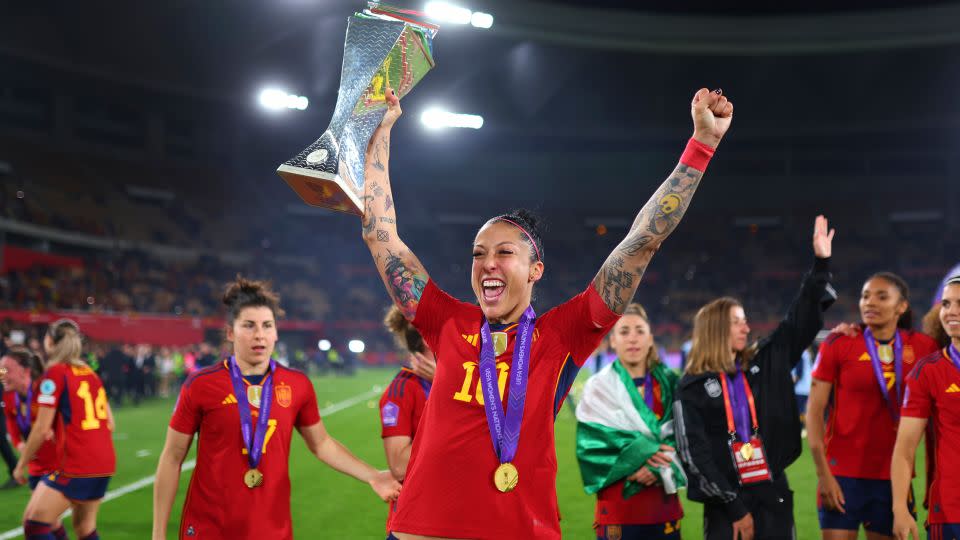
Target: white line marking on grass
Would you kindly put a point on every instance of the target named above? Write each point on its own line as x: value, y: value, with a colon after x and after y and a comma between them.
x: 189, y: 465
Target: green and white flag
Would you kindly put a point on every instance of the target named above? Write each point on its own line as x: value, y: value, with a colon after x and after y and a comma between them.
x: 617, y: 433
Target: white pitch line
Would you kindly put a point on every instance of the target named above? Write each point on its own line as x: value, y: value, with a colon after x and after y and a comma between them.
x: 190, y: 464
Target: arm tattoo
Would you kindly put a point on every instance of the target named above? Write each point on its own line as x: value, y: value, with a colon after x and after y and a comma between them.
x: 383, y: 236
x: 620, y: 275
x: 404, y: 283
x: 389, y: 204
x: 369, y: 220
x: 379, y: 149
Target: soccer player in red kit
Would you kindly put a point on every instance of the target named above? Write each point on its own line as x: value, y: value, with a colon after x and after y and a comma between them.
x: 21, y: 384
x: 865, y: 375
x: 246, y: 409
x: 72, y: 401
x: 933, y: 395
x: 402, y: 403
x: 484, y: 463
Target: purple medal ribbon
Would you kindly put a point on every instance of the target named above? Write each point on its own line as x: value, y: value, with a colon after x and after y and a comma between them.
x: 954, y: 355
x: 648, y: 390
x: 740, y: 406
x: 878, y: 371
x: 23, y: 420
x: 252, y: 438
x: 505, y: 428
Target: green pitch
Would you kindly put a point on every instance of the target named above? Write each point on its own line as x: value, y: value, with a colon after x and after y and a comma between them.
x: 326, y: 504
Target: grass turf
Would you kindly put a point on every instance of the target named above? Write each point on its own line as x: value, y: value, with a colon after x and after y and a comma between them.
x: 326, y: 504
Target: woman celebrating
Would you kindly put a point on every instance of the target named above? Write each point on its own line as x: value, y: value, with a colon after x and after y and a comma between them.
x: 483, y: 463
x: 73, y: 403
x: 736, y: 416
x: 932, y: 388
x: 625, y: 441
x: 402, y: 403
x: 21, y: 384
x: 246, y: 409
x: 864, y: 375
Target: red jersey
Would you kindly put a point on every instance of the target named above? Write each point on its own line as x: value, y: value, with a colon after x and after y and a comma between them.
x: 46, y: 460
x: 449, y: 489
x: 933, y: 393
x: 649, y: 506
x: 401, y: 407
x: 81, y: 425
x: 218, y: 503
x: 861, y: 431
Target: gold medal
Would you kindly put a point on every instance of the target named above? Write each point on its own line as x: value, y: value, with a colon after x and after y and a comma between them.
x: 506, y: 477
x: 253, y: 478
x: 746, y: 451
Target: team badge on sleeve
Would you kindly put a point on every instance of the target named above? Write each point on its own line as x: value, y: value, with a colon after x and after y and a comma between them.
x: 47, y: 390
x: 389, y: 414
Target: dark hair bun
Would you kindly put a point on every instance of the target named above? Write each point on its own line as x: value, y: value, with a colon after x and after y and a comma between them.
x: 532, y: 223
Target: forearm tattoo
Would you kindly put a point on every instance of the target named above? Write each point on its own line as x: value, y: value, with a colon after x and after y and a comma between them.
x: 402, y: 273
x: 405, y: 282
x: 620, y: 275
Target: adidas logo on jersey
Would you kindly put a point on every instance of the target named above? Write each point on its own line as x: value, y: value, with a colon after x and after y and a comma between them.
x: 471, y: 338
x: 953, y: 388
x: 228, y: 400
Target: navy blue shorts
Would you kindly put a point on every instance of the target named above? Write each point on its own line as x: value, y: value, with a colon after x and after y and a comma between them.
x: 32, y: 481
x: 669, y: 530
x: 78, y: 489
x: 868, y: 502
x: 943, y: 531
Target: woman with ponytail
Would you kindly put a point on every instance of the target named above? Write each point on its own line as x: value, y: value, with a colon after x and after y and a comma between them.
x: 71, y: 401
x: 865, y: 376
x: 625, y: 442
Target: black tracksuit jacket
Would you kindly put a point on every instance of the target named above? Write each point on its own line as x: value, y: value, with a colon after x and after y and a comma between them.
x: 700, y: 418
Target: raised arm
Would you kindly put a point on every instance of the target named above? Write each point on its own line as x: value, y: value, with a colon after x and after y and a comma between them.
x: 399, y: 268
x: 618, y: 278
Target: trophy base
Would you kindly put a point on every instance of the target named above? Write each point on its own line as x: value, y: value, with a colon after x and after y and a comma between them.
x: 321, y: 189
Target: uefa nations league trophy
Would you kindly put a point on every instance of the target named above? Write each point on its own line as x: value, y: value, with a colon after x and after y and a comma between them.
x: 384, y: 47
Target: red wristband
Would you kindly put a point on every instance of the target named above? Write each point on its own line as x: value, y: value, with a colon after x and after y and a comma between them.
x: 697, y: 154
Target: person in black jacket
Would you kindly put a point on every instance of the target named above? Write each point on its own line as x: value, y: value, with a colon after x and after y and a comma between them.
x: 756, y: 381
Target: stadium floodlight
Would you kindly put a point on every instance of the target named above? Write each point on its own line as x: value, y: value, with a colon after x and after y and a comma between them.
x: 450, y: 13
x: 437, y: 118
x: 356, y: 346
x: 480, y: 19
x: 324, y: 345
x: 276, y: 99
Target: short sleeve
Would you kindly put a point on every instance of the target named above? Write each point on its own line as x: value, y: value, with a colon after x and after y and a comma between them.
x: 582, y: 322
x: 435, y: 308
x: 398, y: 407
x: 186, y: 414
x: 51, y: 388
x: 917, y: 400
x: 827, y: 366
x: 309, y: 413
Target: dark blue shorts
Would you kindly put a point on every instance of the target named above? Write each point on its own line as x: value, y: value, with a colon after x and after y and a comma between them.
x: 32, y: 481
x: 943, y: 531
x: 658, y: 531
x: 868, y: 502
x: 78, y: 489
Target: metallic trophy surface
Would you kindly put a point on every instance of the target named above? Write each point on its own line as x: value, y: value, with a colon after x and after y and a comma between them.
x: 384, y: 47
